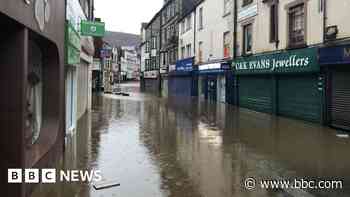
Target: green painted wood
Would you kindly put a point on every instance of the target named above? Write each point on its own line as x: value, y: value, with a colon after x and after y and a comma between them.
x: 255, y: 93
x: 299, y: 97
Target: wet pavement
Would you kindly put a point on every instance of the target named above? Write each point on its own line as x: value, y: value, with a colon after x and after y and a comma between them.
x: 181, y: 147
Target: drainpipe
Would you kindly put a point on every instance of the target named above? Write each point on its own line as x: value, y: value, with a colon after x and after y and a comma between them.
x: 235, y: 29
x: 324, y: 20
x: 235, y: 80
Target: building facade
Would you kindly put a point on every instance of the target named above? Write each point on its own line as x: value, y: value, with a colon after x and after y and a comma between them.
x: 334, y: 59
x: 277, y: 67
x: 151, y: 74
x: 33, y: 108
x: 213, y: 46
x: 79, y: 60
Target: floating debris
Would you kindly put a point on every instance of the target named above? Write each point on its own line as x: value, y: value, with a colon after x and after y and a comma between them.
x: 105, y: 185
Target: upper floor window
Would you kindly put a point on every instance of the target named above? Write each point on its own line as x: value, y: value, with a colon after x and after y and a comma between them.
x: 247, y: 38
x: 274, y: 22
x: 227, y: 7
x: 189, y: 50
x: 200, y: 52
x: 227, y: 44
x: 200, y: 24
x: 296, y: 16
x: 183, y: 27
x: 247, y: 2
x: 188, y: 22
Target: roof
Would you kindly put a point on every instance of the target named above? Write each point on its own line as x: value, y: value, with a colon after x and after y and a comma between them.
x: 118, y: 39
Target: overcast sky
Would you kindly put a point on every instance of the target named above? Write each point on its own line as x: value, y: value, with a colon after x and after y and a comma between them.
x: 126, y: 15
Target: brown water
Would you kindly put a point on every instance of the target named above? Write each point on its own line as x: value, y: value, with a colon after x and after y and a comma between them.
x: 181, y: 147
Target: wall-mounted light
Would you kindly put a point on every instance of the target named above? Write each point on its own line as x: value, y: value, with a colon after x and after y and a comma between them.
x: 28, y: 2
x: 331, y: 32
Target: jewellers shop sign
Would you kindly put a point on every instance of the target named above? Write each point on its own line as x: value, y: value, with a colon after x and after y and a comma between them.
x: 294, y: 61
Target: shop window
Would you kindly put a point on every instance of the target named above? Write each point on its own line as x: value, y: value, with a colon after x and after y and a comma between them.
x: 247, y: 38
x: 297, y: 25
x: 227, y: 43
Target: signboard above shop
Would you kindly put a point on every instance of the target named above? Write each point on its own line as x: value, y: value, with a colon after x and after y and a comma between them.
x: 185, y: 64
x: 335, y: 55
x: 294, y: 61
x: 92, y: 28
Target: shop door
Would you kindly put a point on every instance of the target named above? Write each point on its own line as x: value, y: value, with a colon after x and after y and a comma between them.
x: 299, y: 97
x: 212, y: 88
x: 222, y: 89
x: 255, y: 93
x: 340, y: 100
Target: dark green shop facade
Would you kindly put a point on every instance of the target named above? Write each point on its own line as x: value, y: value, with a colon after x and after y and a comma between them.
x: 287, y: 83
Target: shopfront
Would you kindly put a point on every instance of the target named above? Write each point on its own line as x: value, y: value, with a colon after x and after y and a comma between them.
x: 212, y: 81
x: 336, y: 61
x: 181, y: 81
x: 152, y: 82
x: 287, y: 84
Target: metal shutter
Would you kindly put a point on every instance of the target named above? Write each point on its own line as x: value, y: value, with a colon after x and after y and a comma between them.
x: 299, y: 97
x: 255, y: 93
x: 340, y: 100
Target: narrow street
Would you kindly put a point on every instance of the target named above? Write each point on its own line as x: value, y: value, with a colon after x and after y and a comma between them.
x: 178, y: 147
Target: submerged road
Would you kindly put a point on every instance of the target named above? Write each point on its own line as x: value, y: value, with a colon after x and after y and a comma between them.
x: 181, y: 147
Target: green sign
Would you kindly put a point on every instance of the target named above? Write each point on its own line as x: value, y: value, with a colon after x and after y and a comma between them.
x: 72, y: 45
x: 294, y: 61
x: 91, y: 28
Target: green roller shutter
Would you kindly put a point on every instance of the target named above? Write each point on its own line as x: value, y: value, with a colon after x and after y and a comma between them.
x: 299, y: 97
x: 255, y: 93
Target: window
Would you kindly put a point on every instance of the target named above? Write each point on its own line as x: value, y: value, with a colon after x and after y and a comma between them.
x: 182, y: 52
x: 188, y: 22
x: 247, y: 39
x: 227, y: 43
x: 154, y: 42
x: 200, y: 18
x: 189, y: 48
x: 227, y: 7
x: 247, y: 2
x: 147, y: 47
x: 34, y: 99
x: 273, y: 23
x: 200, y: 52
x: 183, y: 27
x: 297, y: 25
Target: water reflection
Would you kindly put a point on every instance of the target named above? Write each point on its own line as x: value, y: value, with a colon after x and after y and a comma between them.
x: 181, y: 147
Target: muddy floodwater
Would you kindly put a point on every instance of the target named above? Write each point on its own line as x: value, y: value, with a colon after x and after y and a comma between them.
x: 182, y: 147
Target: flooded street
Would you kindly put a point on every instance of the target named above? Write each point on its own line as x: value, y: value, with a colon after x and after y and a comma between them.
x: 180, y: 147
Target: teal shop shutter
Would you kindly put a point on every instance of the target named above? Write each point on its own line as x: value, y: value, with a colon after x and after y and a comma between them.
x: 255, y: 93
x: 299, y: 97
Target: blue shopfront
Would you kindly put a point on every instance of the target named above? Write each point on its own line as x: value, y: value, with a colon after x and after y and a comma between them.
x: 181, y: 80
x: 214, y: 81
x: 336, y: 61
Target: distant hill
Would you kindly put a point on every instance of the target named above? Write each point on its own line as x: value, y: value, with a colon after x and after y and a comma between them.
x: 118, y: 39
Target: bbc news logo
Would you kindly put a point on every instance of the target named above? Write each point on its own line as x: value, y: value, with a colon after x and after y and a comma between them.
x: 52, y: 176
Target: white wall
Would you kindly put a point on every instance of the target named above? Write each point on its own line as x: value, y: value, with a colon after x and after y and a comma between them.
x: 261, y: 26
x: 187, y: 37
x: 214, y: 26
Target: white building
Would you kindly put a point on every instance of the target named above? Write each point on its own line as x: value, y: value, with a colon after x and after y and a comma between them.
x: 213, y: 47
x: 130, y: 65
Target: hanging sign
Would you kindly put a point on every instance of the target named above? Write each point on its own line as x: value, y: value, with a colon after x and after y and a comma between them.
x: 92, y: 28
